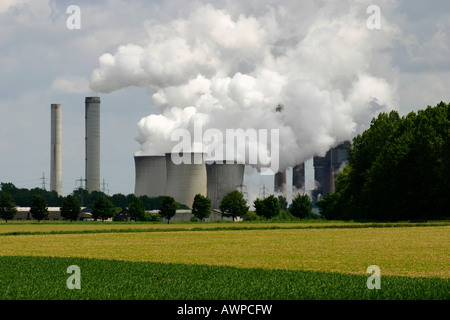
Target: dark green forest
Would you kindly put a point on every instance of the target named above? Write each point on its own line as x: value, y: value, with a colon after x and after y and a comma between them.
x: 23, y: 197
x: 398, y: 169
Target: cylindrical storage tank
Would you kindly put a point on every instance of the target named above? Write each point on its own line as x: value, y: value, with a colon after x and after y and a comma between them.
x: 221, y: 179
x: 55, y: 149
x: 92, y: 143
x: 185, y: 179
x: 150, y: 176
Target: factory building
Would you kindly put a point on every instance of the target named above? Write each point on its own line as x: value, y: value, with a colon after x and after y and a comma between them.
x: 327, y: 168
x: 280, y: 182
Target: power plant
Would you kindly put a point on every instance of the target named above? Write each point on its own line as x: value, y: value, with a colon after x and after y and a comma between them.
x: 150, y: 176
x: 55, y: 149
x: 92, y: 160
x: 159, y: 175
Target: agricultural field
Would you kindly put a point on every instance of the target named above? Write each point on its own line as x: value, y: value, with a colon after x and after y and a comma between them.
x: 313, y: 260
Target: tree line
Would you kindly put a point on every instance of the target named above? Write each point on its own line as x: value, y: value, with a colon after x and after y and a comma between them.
x: 398, y: 169
x: 233, y: 205
x: 24, y: 197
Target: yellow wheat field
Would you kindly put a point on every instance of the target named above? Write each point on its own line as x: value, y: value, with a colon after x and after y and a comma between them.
x: 410, y: 251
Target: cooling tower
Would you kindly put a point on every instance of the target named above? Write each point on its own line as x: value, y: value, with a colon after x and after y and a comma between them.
x: 221, y: 179
x: 185, y: 180
x: 55, y: 149
x: 150, y: 176
x: 92, y: 143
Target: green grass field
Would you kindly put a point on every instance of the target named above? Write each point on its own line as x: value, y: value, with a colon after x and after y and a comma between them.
x: 251, y: 261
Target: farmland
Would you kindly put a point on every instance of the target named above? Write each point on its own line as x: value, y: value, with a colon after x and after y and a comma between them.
x: 225, y: 260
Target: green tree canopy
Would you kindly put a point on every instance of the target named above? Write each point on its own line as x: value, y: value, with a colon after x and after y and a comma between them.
x: 301, y: 206
x: 168, y: 208
x: 136, y: 209
x: 201, y: 207
x: 39, y: 208
x: 70, y: 208
x: 398, y: 169
x: 283, y: 202
x: 103, y: 209
x: 268, y: 207
x: 233, y: 205
x: 7, y: 207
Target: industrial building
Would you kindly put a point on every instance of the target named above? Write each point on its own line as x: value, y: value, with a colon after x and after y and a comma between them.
x: 54, y: 213
x: 327, y: 168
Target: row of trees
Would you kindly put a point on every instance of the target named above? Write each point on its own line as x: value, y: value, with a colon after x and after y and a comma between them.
x: 24, y: 197
x: 398, y: 169
x: 233, y: 205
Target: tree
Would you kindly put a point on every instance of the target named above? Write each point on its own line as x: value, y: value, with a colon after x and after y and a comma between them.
x: 168, y: 208
x: 39, y: 208
x: 103, y: 209
x: 70, y: 208
x: 136, y: 209
x: 268, y: 207
x: 397, y: 169
x: 301, y: 206
x: 283, y: 202
x: 233, y: 205
x: 328, y: 207
x: 201, y: 207
x: 7, y: 207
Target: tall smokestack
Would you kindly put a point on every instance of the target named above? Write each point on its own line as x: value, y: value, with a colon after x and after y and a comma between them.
x: 55, y: 150
x: 92, y: 143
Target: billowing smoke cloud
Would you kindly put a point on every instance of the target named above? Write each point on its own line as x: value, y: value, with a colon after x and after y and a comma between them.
x: 325, y: 69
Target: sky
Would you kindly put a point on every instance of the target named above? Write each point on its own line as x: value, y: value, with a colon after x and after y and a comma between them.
x: 161, y: 66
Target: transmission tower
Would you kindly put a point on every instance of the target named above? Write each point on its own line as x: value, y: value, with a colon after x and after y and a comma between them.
x: 43, y: 181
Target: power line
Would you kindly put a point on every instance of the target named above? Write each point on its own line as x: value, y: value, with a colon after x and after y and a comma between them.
x: 43, y: 181
x: 104, y: 187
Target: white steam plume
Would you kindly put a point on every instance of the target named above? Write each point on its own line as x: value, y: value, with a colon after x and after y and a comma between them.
x: 232, y: 71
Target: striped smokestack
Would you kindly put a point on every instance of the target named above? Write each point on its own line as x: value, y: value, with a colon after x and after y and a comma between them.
x: 55, y: 149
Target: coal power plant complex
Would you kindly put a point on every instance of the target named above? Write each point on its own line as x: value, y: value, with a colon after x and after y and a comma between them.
x: 160, y: 175
x: 165, y: 175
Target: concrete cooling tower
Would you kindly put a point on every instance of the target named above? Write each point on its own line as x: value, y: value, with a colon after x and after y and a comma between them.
x: 221, y: 179
x: 185, y: 180
x: 150, y: 176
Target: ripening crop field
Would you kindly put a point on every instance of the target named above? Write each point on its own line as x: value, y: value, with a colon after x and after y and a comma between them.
x: 415, y: 254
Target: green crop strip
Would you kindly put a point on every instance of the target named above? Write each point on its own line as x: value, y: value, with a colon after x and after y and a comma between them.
x: 43, y: 278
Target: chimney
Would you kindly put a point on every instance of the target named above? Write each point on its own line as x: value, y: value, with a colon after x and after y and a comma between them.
x: 55, y: 149
x: 92, y: 143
